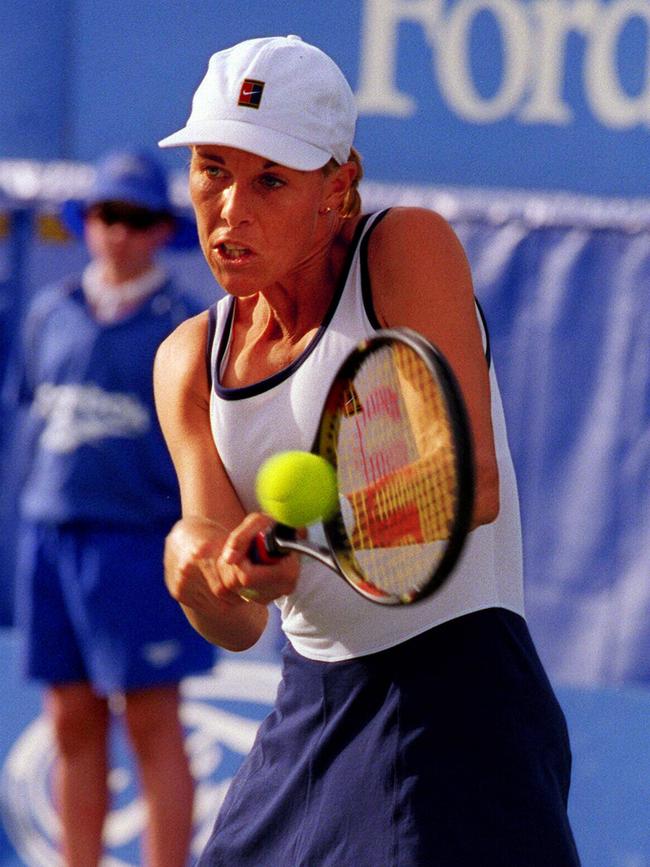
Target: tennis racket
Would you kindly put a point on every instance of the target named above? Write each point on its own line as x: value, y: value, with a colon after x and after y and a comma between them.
x: 395, y: 429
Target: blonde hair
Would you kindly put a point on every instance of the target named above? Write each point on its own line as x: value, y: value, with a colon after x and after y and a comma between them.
x: 351, y: 204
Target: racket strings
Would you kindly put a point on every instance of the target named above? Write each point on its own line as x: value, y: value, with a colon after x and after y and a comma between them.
x: 397, y: 470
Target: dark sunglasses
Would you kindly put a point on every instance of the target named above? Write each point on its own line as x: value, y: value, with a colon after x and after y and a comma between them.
x: 139, y: 219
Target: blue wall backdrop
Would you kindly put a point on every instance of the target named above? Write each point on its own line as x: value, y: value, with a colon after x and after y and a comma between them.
x: 524, y: 122
x: 517, y: 93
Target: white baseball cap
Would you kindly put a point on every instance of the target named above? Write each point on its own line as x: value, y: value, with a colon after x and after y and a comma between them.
x: 277, y: 97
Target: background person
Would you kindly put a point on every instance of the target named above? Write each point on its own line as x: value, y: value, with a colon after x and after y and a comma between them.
x: 99, y: 497
x: 427, y: 735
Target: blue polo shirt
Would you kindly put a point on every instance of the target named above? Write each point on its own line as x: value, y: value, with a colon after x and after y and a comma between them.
x: 97, y: 453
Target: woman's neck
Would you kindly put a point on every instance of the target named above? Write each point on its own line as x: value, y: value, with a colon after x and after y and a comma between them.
x: 292, y: 308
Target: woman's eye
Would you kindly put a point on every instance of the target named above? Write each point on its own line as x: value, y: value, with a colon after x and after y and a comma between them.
x: 271, y: 182
x: 213, y: 171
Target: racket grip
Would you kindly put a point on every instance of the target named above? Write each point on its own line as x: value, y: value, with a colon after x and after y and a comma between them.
x: 264, y: 549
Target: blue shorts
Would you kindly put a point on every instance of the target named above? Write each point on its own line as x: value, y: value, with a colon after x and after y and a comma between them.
x: 93, y: 606
x: 448, y: 750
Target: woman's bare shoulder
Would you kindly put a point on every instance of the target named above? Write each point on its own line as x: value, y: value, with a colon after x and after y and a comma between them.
x: 413, y: 224
x: 186, y: 345
x: 415, y: 258
x: 180, y: 367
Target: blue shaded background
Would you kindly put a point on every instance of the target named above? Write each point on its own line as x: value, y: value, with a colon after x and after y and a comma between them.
x: 77, y: 77
x: 556, y: 223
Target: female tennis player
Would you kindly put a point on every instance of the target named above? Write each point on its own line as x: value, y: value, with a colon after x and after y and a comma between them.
x: 423, y: 735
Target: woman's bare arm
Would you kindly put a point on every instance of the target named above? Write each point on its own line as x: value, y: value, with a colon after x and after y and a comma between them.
x: 421, y: 279
x: 202, y: 576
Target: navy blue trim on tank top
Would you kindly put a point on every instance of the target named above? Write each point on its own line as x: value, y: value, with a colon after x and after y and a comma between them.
x: 212, y: 328
x: 366, y: 288
x: 488, y: 351
x: 223, y: 346
x: 246, y: 391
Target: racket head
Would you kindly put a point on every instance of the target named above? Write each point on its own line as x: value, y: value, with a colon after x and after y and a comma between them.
x: 395, y: 428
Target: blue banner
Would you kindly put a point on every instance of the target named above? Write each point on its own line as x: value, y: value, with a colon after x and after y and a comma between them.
x: 463, y: 103
x: 534, y: 94
x: 563, y: 281
x: 517, y: 93
x: 564, y: 284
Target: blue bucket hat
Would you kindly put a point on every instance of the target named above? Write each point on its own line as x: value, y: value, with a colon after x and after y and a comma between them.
x: 132, y: 176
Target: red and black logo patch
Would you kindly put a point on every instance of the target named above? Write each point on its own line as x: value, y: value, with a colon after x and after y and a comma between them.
x: 251, y: 92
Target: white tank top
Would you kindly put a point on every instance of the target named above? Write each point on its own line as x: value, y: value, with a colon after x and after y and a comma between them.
x: 325, y: 619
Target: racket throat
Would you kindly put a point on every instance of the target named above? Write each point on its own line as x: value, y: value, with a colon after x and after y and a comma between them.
x: 274, y: 539
x: 283, y: 539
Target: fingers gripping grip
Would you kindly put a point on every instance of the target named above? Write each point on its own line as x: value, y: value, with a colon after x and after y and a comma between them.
x: 264, y: 549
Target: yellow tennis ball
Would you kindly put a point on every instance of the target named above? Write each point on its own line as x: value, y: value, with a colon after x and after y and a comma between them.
x: 297, y: 488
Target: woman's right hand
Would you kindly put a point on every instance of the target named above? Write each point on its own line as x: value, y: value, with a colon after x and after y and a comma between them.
x: 192, y: 550
x: 208, y: 572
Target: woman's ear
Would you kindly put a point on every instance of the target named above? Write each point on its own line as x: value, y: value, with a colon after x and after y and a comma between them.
x: 338, y: 184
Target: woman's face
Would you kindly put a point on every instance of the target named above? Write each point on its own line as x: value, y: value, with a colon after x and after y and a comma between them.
x: 258, y: 221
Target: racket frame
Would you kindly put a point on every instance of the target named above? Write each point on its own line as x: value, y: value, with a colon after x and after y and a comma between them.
x: 339, y: 555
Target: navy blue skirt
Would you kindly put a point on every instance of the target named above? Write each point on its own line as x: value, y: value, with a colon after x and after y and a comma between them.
x: 448, y: 750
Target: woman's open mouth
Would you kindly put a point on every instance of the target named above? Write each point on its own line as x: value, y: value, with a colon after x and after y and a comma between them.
x: 233, y: 252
